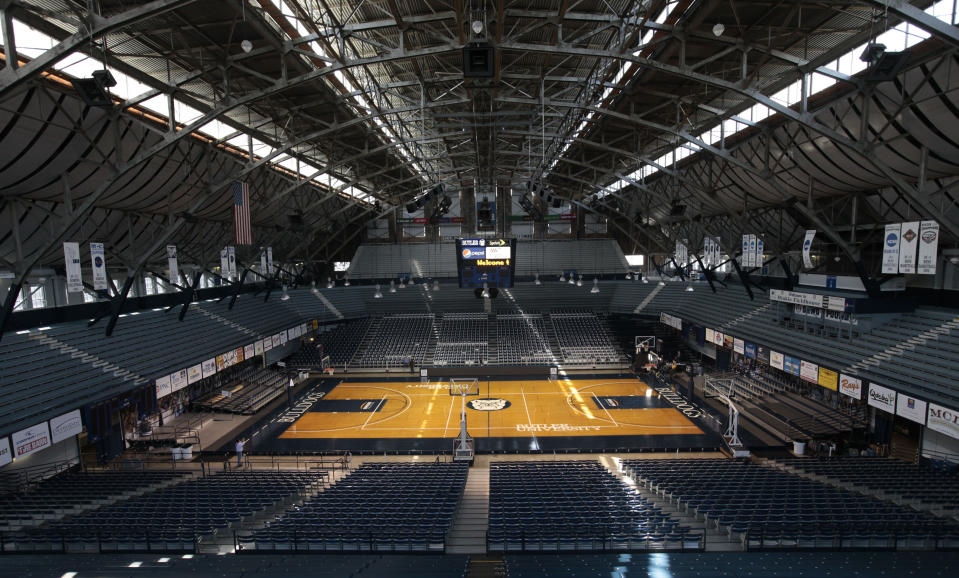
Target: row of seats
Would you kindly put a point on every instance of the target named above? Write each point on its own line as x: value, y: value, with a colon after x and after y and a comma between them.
x: 584, y: 339
x: 250, y: 390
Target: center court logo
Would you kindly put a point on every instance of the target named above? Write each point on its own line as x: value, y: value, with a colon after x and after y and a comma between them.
x: 488, y: 404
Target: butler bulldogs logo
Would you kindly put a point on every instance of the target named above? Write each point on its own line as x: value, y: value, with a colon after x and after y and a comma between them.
x: 488, y: 404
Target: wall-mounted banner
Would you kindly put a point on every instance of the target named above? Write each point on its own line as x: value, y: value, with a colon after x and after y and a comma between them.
x: 710, y: 335
x: 762, y: 354
x: 750, y: 350
x: 179, y: 379
x: 928, y: 247
x: 807, y: 247
x: 98, y: 260
x: 172, y: 264
x: 728, y: 341
x: 5, y: 455
x: 909, y: 240
x: 258, y: 347
x: 276, y: 340
x: 208, y: 367
x: 828, y: 378
x: 269, y: 261
x: 249, y: 351
x: 890, y: 250
x: 851, y: 386
x: 268, y: 343
x: 66, y: 426
x: 71, y: 258
x: 719, y: 338
x: 194, y: 374
x: 911, y: 408
x: 32, y: 439
x: 283, y: 338
x: 776, y: 360
x: 882, y: 397
x: 791, y: 365
x: 940, y: 418
x: 164, y: 386
x: 738, y: 345
x: 797, y: 298
x: 671, y: 320
x: 809, y: 371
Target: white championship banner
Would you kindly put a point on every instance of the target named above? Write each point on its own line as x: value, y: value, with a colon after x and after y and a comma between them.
x: 172, y: 264
x: 71, y: 258
x: 851, y: 386
x: 807, y: 248
x: 98, y: 260
x: 269, y: 260
x: 908, y: 243
x: 224, y: 263
x: 31, y: 439
x: 911, y: 408
x: 928, y: 247
x: 943, y: 420
x: 66, y: 426
x: 231, y: 260
x: 882, y: 398
x: 5, y: 455
x: 890, y: 250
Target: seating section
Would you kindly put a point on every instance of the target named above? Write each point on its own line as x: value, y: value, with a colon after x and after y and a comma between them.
x: 923, y: 486
x: 770, y: 508
x: 55, y: 497
x: 584, y: 339
x: 575, y: 505
x: 342, y: 342
x: 171, y: 518
x: 463, y: 339
x: 522, y: 340
x: 392, y: 340
x: 380, y: 507
x: 251, y: 389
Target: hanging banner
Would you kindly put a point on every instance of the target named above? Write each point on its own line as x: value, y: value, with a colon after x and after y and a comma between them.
x: 66, y: 426
x: 172, y: 264
x: 738, y: 345
x: 776, y: 359
x: 749, y: 350
x: 269, y: 262
x: 71, y: 257
x: 807, y: 247
x: 828, y: 378
x: 5, y: 455
x: 99, y: 267
x: 882, y: 397
x: 231, y: 259
x: 760, y: 258
x: 744, y: 259
x: 939, y: 418
x: 911, y: 408
x: 791, y: 365
x: 179, y: 380
x: 32, y: 439
x: 851, y: 386
x: 890, y: 250
x: 717, y: 252
x: 194, y: 374
x: 208, y: 367
x: 707, y: 252
x: 809, y: 371
x: 907, y: 247
x: 224, y: 263
x: 262, y: 262
x: 164, y: 386
x: 928, y: 247
x: 752, y: 251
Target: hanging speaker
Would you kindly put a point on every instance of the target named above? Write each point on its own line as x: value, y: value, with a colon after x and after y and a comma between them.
x: 478, y: 61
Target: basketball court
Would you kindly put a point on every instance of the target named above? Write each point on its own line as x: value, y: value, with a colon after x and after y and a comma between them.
x: 507, y: 414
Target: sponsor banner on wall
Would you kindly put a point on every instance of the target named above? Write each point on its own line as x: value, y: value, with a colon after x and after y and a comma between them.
x: 762, y: 354
x: 776, y: 359
x: 194, y: 374
x: 720, y: 338
x: 220, y: 363
x: 71, y: 258
x: 939, y: 418
x: 728, y: 341
x: 908, y: 243
x: 710, y: 335
x: 249, y: 351
x: 283, y: 338
x: 258, y: 347
x: 809, y: 371
x: 807, y: 248
x: 738, y: 345
x: 828, y: 378
x: 890, y: 250
x: 928, y: 247
x: 911, y: 408
x: 172, y: 264
x: 6, y: 456
x: 671, y: 320
x: 791, y: 365
x: 238, y: 355
x: 851, y: 386
x: 65, y: 426
x: 268, y: 343
x: 164, y: 386
x: 750, y: 350
x: 882, y: 397
x: 30, y: 440
x: 208, y: 367
x: 179, y: 379
x: 796, y: 298
x: 276, y: 340
x: 98, y: 260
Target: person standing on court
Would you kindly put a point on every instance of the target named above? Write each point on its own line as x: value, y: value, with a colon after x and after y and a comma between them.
x: 412, y: 363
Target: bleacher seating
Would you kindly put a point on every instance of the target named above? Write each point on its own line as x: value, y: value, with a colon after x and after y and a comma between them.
x: 250, y: 390
x: 575, y: 505
x: 584, y: 339
x: 173, y: 518
x: 341, y: 343
x: 395, y: 339
x: 522, y: 340
x: 462, y: 339
x: 769, y: 508
x: 381, y: 507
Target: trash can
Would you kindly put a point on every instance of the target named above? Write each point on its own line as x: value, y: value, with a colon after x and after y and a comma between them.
x: 799, y: 448
x: 177, y: 452
x: 186, y: 452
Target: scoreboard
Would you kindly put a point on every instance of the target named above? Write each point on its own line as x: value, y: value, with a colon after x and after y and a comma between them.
x: 490, y: 261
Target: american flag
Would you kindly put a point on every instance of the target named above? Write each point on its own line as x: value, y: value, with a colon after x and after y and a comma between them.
x: 241, y: 213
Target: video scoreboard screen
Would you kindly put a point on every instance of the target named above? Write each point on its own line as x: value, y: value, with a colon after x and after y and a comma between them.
x: 490, y: 261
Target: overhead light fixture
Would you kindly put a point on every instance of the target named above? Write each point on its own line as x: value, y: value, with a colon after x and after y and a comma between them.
x: 645, y: 280
x: 572, y: 280
x: 536, y: 280
x: 477, y: 26
x: 246, y: 45
x: 485, y: 293
x: 662, y: 283
x: 426, y: 285
x: 579, y: 281
x: 718, y: 29
x: 392, y: 286
x: 436, y: 284
x: 872, y: 53
x: 629, y: 276
x: 402, y: 282
x: 378, y: 294
x: 595, y: 288
x: 329, y: 283
x: 346, y: 280
x: 562, y: 277
x: 313, y: 287
x: 285, y: 296
x: 689, y: 288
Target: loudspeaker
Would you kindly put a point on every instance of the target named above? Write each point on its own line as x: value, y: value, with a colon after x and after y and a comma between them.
x: 478, y: 62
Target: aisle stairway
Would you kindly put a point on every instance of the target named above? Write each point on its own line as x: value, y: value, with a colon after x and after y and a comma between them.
x: 471, y: 521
